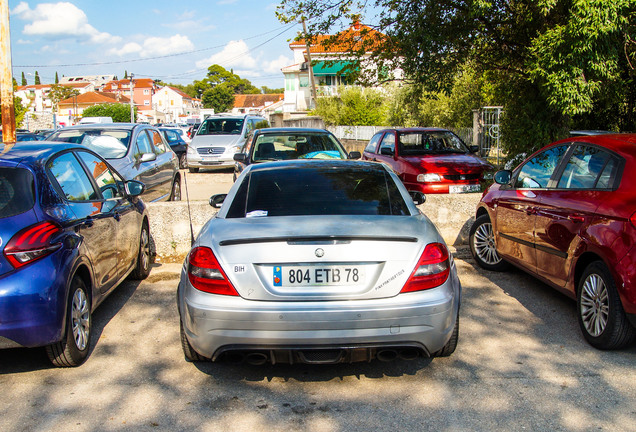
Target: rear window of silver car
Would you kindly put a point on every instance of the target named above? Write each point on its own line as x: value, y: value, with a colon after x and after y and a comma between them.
x: 109, y: 143
x: 16, y: 191
x: 303, y: 191
x: 308, y: 145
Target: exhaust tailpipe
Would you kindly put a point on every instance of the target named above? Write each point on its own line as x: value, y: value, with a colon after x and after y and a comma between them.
x: 256, y: 358
x: 387, y: 355
x: 408, y: 354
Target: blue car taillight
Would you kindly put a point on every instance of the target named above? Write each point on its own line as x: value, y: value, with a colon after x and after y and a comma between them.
x: 32, y: 243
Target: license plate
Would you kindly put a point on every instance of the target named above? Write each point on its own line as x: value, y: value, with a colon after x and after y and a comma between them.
x: 286, y: 276
x: 464, y: 188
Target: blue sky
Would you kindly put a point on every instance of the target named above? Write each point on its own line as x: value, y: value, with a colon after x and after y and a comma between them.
x: 149, y: 39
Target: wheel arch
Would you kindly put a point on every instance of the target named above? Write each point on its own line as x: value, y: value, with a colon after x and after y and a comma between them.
x: 581, y: 264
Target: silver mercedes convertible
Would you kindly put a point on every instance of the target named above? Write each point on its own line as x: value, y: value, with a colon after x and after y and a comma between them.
x: 318, y: 262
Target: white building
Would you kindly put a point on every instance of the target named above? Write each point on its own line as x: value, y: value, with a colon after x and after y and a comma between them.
x: 332, y: 67
x: 175, y: 104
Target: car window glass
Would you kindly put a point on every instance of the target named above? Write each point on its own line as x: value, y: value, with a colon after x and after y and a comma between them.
x: 306, y: 145
x: 171, y: 136
x: 108, y: 143
x: 536, y: 173
x: 221, y: 126
x: 388, y: 142
x: 143, y: 144
x: 103, y: 176
x: 318, y: 191
x: 373, y: 143
x: 417, y: 143
x: 16, y: 191
x: 72, y: 178
x: 158, y: 144
x: 585, y: 168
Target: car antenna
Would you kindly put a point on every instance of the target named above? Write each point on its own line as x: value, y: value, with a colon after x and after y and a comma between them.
x: 185, y: 181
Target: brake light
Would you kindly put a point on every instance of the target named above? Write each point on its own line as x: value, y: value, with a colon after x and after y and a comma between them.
x: 205, y: 273
x: 632, y: 219
x: 432, y: 269
x: 32, y: 243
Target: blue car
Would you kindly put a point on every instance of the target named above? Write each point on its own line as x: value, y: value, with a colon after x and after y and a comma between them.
x: 71, y: 230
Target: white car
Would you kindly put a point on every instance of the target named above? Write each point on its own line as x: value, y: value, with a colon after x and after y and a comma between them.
x: 315, y: 261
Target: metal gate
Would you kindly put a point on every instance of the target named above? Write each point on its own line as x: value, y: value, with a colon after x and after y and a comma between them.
x: 489, y: 133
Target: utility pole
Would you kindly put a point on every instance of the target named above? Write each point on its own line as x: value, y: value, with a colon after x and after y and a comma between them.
x: 6, y: 82
x: 312, y: 98
x: 132, y: 99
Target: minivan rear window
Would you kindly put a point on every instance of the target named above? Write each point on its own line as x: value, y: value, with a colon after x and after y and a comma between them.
x: 16, y: 191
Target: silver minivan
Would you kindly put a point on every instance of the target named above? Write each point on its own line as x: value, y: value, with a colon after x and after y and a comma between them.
x: 219, y: 137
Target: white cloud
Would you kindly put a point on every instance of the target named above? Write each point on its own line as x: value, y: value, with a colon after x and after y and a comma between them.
x: 155, y: 46
x: 274, y: 66
x: 60, y: 21
x: 234, y: 55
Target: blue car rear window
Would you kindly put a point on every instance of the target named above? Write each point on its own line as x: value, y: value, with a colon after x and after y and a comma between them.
x: 16, y: 191
x: 317, y: 191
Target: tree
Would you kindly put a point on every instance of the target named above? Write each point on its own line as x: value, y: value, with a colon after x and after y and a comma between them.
x: 267, y: 90
x: 567, y: 53
x: 37, y: 78
x: 24, y: 81
x: 59, y: 93
x: 353, y: 107
x: 57, y: 80
x: 219, y: 75
x: 221, y: 98
x: 19, y: 111
x: 118, y: 112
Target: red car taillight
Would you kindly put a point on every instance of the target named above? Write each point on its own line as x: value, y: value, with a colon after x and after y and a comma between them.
x: 632, y: 219
x: 431, y: 271
x: 32, y: 243
x: 205, y: 273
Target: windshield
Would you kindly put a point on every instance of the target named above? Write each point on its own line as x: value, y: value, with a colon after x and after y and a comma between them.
x: 304, y: 145
x: 16, y: 191
x: 318, y: 190
x: 436, y: 142
x: 108, y: 143
x: 221, y: 126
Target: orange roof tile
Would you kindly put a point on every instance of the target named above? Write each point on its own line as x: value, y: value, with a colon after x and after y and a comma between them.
x: 256, y: 100
x: 95, y: 98
x: 354, y: 38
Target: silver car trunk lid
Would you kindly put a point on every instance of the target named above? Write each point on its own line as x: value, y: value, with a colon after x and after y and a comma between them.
x: 344, y: 257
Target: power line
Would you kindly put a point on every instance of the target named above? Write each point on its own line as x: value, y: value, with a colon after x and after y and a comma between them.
x: 289, y: 26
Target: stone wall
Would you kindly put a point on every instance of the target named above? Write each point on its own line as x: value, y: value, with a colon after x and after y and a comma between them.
x: 170, y: 227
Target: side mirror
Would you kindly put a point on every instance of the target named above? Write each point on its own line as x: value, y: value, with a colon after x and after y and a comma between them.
x: 147, y: 157
x: 216, y: 201
x: 503, y: 177
x: 418, y: 197
x: 386, y: 151
x: 240, y: 157
x: 474, y: 148
x: 134, y: 188
x: 354, y: 155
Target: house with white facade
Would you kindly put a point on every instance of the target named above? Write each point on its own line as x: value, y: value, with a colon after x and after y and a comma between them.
x: 36, y: 96
x: 333, y: 66
x: 175, y: 104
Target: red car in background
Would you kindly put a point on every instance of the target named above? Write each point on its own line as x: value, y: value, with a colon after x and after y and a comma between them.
x: 567, y: 215
x: 429, y: 160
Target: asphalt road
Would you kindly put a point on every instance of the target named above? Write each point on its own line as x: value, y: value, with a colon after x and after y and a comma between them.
x: 521, y: 365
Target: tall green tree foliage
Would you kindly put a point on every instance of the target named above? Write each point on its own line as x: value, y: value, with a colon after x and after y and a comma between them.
x: 37, y: 78
x: 566, y: 53
x: 24, y: 81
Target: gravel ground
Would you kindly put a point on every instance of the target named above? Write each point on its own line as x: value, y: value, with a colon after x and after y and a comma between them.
x: 521, y: 364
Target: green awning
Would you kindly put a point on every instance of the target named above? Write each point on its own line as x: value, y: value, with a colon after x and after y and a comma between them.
x: 333, y: 67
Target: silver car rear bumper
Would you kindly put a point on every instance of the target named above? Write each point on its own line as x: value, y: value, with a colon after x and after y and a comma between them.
x: 214, y: 324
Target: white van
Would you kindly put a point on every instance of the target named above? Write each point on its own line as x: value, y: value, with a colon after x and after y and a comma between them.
x: 93, y: 120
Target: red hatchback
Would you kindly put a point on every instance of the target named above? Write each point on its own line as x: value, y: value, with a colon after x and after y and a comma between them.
x: 429, y: 160
x: 567, y: 215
